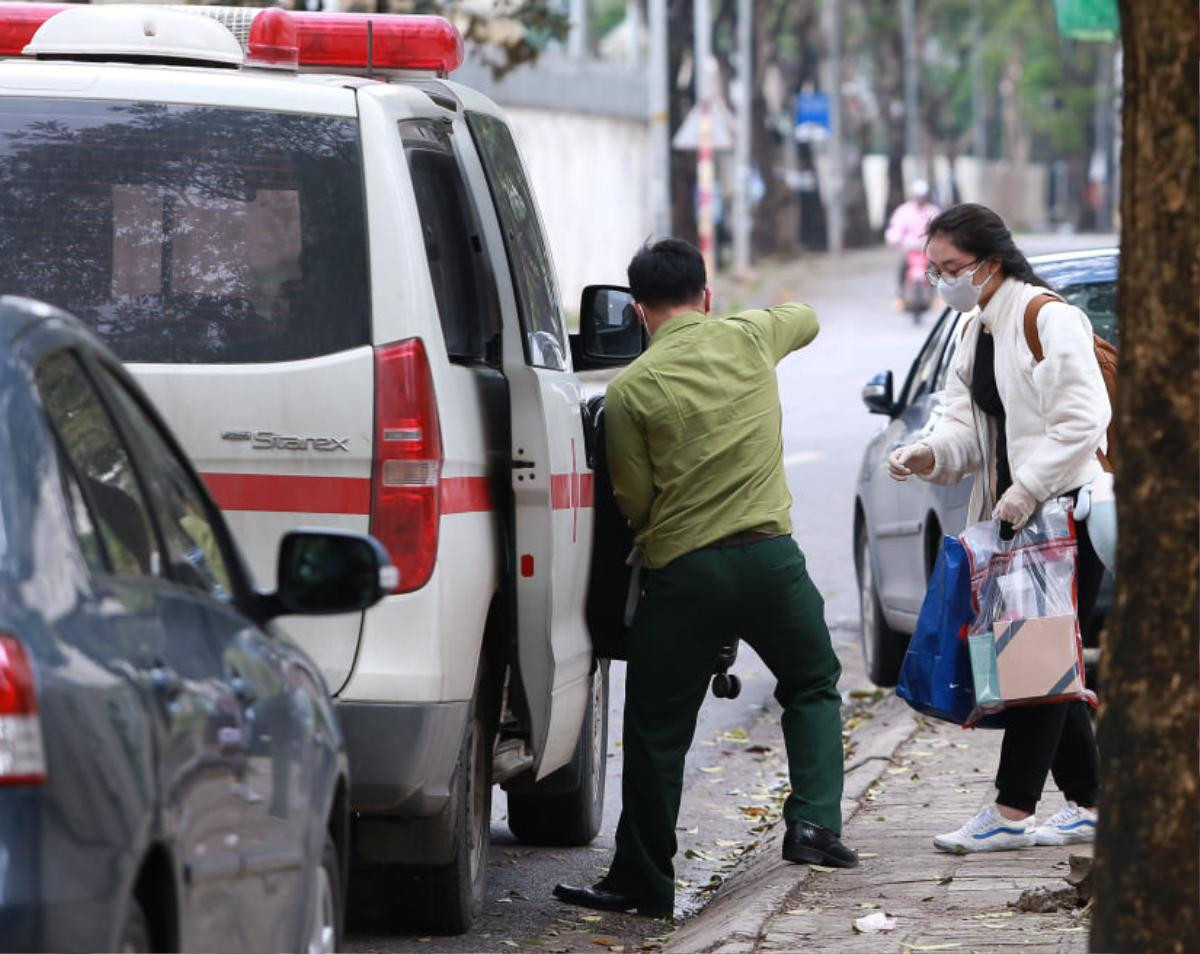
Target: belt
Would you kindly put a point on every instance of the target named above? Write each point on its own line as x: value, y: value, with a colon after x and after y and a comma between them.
x: 743, y: 537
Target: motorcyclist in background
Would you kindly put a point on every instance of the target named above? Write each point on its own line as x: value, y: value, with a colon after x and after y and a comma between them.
x: 906, y: 230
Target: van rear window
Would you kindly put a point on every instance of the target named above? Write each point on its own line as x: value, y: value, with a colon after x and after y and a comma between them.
x: 187, y: 234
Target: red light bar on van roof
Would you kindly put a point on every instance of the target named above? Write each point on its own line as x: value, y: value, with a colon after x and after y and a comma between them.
x: 362, y: 41
x: 20, y: 21
x: 273, y: 40
x: 354, y: 42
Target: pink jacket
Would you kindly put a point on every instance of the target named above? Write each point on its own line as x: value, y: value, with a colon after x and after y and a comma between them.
x: 908, y: 224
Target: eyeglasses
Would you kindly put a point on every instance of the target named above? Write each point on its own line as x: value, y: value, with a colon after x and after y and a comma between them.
x: 933, y: 274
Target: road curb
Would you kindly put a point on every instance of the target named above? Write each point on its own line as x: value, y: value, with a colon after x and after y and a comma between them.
x: 756, y: 890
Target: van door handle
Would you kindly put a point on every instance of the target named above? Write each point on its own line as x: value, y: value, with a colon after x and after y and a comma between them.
x: 523, y: 464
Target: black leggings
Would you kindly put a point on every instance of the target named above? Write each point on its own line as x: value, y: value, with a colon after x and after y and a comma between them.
x: 1054, y: 738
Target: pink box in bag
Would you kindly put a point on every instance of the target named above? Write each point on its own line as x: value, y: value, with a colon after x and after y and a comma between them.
x: 1037, y: 657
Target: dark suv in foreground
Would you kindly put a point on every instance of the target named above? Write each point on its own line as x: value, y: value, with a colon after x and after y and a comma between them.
x: 172, y: 776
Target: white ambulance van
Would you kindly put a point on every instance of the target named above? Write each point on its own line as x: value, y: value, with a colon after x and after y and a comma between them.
x: 324, y: 261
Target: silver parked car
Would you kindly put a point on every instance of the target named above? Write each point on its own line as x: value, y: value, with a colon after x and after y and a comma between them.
x: 898, y: 526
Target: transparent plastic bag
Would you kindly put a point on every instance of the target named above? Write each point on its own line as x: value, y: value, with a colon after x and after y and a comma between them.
x: 1024, y: 643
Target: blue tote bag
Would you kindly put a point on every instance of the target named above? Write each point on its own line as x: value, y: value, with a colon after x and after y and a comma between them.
x: 935, y: 678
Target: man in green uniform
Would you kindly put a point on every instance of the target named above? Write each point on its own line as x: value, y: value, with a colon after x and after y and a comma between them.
x: 696, y: 456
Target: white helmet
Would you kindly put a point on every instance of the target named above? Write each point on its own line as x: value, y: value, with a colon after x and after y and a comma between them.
x: 1098, y: 506
x: 919, y: 189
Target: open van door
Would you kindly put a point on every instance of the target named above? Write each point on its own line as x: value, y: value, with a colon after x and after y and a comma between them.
x: 551, y: 481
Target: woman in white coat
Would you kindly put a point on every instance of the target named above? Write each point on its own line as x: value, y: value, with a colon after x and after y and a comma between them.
x: 1027, y: 431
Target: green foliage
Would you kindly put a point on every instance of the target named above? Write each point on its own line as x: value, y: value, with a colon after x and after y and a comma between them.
x: 1024, y: 56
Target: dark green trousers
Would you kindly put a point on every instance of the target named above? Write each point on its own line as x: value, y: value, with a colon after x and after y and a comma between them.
x: 760, y: 592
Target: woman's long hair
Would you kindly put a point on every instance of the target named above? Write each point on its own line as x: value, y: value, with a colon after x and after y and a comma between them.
x: 980, y: 232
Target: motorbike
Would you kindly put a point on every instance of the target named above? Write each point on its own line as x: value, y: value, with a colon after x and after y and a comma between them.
x: 918, y: 293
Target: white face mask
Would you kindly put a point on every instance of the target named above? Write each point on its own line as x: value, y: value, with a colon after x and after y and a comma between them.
x: 960, y: 292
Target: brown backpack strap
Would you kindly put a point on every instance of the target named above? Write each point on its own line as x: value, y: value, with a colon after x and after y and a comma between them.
x: 1031, y: 331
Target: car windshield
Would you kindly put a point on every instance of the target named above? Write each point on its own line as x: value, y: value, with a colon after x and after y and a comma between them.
x: 187, y: 233
x: 1089, y: 284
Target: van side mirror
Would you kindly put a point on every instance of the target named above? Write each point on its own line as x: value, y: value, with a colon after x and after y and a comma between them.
x: 327, y: 571
x: 877, y: 394
x: 610, y: 333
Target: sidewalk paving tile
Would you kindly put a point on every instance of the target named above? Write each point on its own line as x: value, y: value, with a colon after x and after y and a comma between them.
x: 941, y: 902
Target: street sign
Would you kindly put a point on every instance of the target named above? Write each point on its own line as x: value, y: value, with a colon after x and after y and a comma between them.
x: 812, y: 117
x: 1095, y: 20
x: 721, y: 125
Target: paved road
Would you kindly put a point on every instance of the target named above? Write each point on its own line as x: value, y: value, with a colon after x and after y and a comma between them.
x: 825, y: 428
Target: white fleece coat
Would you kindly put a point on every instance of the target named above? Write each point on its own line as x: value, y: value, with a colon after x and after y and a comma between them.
x: 1057, y: 411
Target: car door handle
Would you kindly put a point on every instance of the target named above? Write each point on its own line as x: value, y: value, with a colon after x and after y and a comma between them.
x: 243, y: 690
x: 166, y: 682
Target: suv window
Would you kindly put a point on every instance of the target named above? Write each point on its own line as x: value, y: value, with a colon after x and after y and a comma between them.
x: 947, y: 362
x: 187, y: 233
x: 528, y: 259
x: 920, y: 378
x: 193, y: 550
x: 462, y: 279
x: 107, y: 478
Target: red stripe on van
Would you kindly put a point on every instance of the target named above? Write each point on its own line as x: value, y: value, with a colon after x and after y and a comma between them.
x: 291, y: 493
x: 571, y: 491
x: 466, y: 495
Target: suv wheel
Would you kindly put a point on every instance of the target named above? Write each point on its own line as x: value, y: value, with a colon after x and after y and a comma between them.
x: 567, y: 807
x: 882, y: 647
x: 324, y: 934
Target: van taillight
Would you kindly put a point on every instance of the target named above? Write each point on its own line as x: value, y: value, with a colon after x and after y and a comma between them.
x: 22, y: 758
x: 407, y: 469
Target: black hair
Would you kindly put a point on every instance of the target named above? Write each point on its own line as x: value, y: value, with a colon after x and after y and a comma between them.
x: 980, y: 232
x: 669, y: 272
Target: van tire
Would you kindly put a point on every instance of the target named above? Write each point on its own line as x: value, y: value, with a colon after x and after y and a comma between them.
x: 454, y: 892
x: 545, y: 814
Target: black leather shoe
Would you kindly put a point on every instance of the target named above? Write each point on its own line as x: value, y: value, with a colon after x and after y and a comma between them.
x: 601, y: 898
x: 809, y: 844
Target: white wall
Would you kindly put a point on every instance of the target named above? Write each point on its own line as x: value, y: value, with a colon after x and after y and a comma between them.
x: 590, y: 178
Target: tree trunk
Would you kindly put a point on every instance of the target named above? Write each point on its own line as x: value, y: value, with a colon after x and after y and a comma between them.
x: 1147, y: 875
x: 680, y: 41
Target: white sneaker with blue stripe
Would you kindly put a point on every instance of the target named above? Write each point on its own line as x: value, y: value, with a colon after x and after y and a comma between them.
x: 989, y: 831
x: 1070, y: 825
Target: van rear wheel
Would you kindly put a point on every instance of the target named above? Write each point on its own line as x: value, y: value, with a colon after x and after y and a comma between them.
x: 567, y: 807
x: 454, y: 892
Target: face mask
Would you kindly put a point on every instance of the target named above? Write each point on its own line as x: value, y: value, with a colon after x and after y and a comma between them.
x: 960, y: 293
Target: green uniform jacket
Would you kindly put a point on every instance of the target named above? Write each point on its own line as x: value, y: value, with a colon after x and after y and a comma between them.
x: 695, y: 446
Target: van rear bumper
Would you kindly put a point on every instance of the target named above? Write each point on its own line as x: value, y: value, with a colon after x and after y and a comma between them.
x: 402, y: 755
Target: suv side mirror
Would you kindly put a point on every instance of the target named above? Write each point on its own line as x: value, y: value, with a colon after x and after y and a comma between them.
x: 610, y: 333
x: 329, y: 571
x: 877, y: 394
